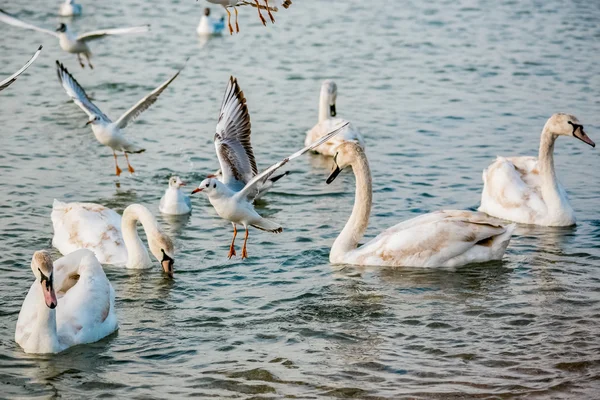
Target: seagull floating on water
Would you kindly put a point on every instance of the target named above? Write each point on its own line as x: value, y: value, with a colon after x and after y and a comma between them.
x: 70, y: 42
x: 209, y: 25
x: 107, y: 132
x: 174, y: 201
x: 270, y: 6
x: 8, y: 81
x: 69, y: 9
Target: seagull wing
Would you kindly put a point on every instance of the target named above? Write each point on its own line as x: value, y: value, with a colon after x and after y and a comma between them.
x: 232, y: 138
x: 253, y: 187
x: 76, y: 92
x: 86, y: 37
x: 8, y: 81
x: 11, y: 20
x: 144, y: 103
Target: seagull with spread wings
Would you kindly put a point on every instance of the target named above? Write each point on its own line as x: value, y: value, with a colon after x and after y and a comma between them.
x: 70, y: 42
x: 8, y: 81
x: 107, y: 132
x: 233, y: 198
x: 270, y: 6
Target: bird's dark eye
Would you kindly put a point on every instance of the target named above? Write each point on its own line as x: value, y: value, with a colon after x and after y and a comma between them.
x: 208, y: 184
x: 214, y: 185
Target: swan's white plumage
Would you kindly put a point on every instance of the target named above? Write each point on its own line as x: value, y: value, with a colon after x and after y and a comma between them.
x: 85, y: 312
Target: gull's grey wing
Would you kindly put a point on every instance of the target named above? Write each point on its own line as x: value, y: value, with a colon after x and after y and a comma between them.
x: 8, y: 81
x: 88, y: 36
x: 232, y: 138
x: 12, y: 20
x: 76, y: 93
x: 252, y: 188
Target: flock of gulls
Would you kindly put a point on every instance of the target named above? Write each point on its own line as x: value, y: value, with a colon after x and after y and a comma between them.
x: 72, y: 302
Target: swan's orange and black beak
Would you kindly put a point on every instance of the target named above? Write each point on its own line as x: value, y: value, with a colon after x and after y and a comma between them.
x: 581, y: 135
x: 167, y: 264
x: 335, y: 172
x: 332, y: 111
x: 48, y: 289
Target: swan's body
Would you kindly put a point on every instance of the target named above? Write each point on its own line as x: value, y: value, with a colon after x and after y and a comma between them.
x: 209, y: 25
x: 69, y: 9
x: 328, y: 122
x: 112, y: 238
x: 76, y: 307
x: 438, y: 239
x: 525, y: 189
x: 174, y: 201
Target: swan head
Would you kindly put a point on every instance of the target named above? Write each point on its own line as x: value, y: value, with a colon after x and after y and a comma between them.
x: 210, y: 186
x: 43, y: 269
x: 61, y: 28
x: 162, y: 248
x: 346, y: 154
x: 567, y: 125
x: 175, y: 182
x: 329, y: 93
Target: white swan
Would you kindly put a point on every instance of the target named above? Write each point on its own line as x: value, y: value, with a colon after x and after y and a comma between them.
x: 438, y: 239
x: 209, y: 25
x: 69, y: 8
x: 175, y: 202
x: 328, y: 122
x: 525, y: 189
x: 114, y: 240
x: 71, y: 302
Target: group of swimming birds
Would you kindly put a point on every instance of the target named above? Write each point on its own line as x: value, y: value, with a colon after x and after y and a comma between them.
x: 72, y: 302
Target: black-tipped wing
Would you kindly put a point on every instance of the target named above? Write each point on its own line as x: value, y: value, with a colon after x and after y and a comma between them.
x: 76, y: 93
x: 252, y: 188
x: 11, y: 20
x: 232, y: 139
x: 8, y: 81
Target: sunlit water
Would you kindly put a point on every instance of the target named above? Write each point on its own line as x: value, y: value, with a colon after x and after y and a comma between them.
x: 438, y: 90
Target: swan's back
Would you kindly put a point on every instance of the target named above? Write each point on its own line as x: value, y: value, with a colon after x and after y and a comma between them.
x: 439, y: 239
x: 349, y: 133
x: 88, y: 226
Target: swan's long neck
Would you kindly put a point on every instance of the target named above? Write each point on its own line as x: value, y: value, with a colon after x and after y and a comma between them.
x: 549, y: 187
x: 137, y: 253
x: 324, y: 106
x: 44, y: 337
x: 359, y: 220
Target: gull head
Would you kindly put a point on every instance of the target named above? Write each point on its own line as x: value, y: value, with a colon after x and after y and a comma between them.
x: 209, y: 186
x: 329, y: 92
x: 94, y: 121
x: 43, y: 269
x: 567, y: 125
x: 207, y: 11
x: 61, y: 28
x: 175, y: 182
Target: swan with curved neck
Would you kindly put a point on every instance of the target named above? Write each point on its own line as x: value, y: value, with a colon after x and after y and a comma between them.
x: 70, y: 302
x: 113, y: 239
x: 328, y: 121
x: 439, y: 239
x: 526, y: 189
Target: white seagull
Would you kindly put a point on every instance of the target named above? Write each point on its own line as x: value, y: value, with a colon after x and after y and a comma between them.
x: 268, y: 5
x: 209, y: 25
x: 8, y: 81
x: 70, y: 42
x: 69, y: 9
x: 175, y: 202
x: 232, y: 142
x: 107, y: 132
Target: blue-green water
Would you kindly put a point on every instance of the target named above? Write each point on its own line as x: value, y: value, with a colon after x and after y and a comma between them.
x: 438, y: 89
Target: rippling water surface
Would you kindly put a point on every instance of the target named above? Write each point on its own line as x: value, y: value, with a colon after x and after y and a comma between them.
x: 438, y: 89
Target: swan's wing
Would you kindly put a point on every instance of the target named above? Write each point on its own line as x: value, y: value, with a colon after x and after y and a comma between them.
x: 88, y: 226
x: 11, y: 20
x: 77, y: 94
x: 252, y: 188
x: 437, y: 239
x: 145, y: 103
x: 232, y: 138
x: 88, y: 36
x: 8, y: 81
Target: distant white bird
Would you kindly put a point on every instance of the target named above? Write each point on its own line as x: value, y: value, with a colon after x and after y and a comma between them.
x: 69, y: 9
x: 328, y: 120
x: 8, y: 81
x: 236, y: 206
x: 68, y: 41
x: 107, y: 132
x: 268, y: 5
x: 174, y: 201
x: 209, y: 25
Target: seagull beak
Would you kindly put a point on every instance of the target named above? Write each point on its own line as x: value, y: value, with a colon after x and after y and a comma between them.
x: 211, y: 176
x: 197, y: 190
x: 89, y: 122
x: 182, y: 183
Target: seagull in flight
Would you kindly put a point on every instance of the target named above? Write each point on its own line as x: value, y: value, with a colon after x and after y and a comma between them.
x: 232, y: 143
x: 8, y: 81
x: 107, y: 132
x: 70, y: 42
x: 269, y: 5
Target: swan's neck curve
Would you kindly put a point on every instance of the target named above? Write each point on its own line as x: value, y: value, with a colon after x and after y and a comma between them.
x: 44, y: 337
x: 137, y: 253
x: 357, y: 224
x: 549, y: 183
x: 324, y: 107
